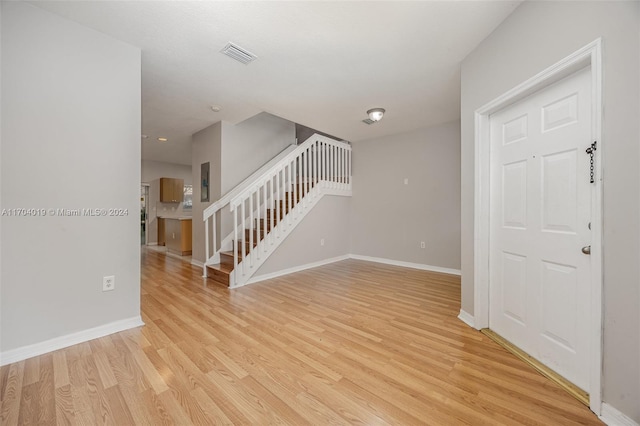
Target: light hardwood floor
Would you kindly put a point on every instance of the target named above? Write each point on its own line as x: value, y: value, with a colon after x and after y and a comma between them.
x: 351, y: 342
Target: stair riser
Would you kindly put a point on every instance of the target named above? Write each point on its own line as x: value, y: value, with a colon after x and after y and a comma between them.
x: 286, y: 205
x: 275, y: 214
x: 257, y: 234
x: 218, y: 276
x: 261, y: 224
x: 297, y: 197
x: 247, y: 244
x: 227, y: 260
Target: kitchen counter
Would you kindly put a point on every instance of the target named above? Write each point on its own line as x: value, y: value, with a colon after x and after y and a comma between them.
x: 177, y: 234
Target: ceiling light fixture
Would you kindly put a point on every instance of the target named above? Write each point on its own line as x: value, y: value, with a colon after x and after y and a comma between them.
x: 375, y: 114
x: 162, y: 139
x: 216, y: 108
x: 144, y: 136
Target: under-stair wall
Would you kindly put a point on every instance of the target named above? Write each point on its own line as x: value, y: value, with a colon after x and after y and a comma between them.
x: 324, y: 234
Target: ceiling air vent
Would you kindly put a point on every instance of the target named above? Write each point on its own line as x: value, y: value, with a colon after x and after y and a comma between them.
x: 368, y: 121
x: 238, y: 53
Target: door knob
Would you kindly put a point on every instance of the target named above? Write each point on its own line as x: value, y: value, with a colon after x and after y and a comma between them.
x: 586, y: 249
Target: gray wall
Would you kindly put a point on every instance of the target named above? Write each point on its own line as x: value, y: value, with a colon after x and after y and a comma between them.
x: 235, y: 152
x: 388, y: 218
x: 1, y: 199
x: 535, y: 36
x: 206, y: 147
x: 152, y: 170
x: 248, y: 145
x: 71, y: 139
x: 328, y: 220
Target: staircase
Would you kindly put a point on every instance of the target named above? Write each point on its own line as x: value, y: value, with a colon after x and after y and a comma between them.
x: 266, y: 207
x: 221, y: 272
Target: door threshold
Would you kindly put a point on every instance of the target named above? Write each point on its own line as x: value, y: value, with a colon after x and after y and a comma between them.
x: 572, y: 389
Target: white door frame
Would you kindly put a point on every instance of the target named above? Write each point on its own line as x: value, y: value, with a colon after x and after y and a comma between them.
x: 589, y: 55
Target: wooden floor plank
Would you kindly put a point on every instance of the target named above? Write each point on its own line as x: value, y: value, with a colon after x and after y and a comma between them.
x: 347, y: 343
x: 11, y: 393
x: 46, y: 390
x: 65, y: 413
x: 60, y: 369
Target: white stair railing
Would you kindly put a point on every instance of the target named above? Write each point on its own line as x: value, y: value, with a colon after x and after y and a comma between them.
x: 272, y: 205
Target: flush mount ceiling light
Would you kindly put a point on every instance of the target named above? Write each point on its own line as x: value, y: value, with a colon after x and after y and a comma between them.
x: 162, y: 139
x: 216, y: 108
x: 375, y: 114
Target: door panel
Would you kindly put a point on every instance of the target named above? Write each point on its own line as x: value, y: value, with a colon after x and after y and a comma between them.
x: 540, y: 210
x: 515, y: 130
x: 560, y: 113
x: 559, y: 286
x: 514, y: 198
x: 559, y: 203
x: 514, y: 296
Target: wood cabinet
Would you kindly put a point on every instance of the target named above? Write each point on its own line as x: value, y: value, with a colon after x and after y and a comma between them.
x: 178, y: 236
x: 161, y: 239
x: 171, y: 190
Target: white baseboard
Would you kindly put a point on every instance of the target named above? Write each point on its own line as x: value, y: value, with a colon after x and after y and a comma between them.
x: 288, y: 271
x: 357, y: 257
x: 197, y: 263
x: 613, y: 417
x: 152, y: 244
x: 36, y: 349
x: 407, y: 264
x: 466, y: 318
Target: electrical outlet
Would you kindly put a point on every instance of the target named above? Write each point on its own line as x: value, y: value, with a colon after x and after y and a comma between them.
x: 108, y: 283
x: 321, y: 241
x: 422, y: 245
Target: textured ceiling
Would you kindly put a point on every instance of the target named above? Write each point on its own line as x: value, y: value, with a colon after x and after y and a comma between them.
x: 321, y: 64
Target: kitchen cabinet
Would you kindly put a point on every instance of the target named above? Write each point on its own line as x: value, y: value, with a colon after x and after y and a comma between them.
x: 171, y: 190
x: 161, y: 238
x: 178, y: 235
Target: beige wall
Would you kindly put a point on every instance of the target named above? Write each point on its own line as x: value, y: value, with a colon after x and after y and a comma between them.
x: 71, y: 139
x: 388, y: 218
x: 535, y: 36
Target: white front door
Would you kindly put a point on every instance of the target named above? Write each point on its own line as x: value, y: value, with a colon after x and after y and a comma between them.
x: 540, y: 201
